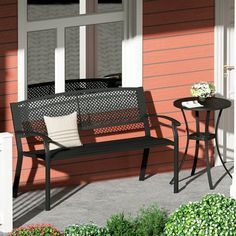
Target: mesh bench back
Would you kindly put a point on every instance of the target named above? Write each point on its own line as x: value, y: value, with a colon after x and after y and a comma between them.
x: 48, y: 88
x: 96, y: 109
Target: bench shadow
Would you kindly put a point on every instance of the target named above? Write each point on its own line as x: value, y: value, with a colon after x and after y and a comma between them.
x: 27, y: 206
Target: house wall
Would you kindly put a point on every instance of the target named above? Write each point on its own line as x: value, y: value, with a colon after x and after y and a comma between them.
x: 8, y: 61
x: 178, y: 51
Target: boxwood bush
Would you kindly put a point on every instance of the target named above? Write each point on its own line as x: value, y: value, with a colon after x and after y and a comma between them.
x: 149, y: 221
x: 214, y: 215
x: 119, y: 224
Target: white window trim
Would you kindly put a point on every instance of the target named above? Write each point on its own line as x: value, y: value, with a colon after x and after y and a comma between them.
x: 131, y: 45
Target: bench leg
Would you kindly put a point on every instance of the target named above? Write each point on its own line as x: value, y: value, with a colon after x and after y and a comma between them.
x: 144, y: 164
x: 47, y: 184
x: 17, y: 175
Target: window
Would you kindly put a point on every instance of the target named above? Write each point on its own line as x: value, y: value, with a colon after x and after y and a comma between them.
x: 62, y: 40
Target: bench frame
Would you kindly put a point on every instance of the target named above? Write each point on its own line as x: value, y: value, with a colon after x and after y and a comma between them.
x: 20, y: 133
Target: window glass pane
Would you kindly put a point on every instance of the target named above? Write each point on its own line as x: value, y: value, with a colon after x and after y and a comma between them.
x: 41, y: 57
x: 72, y: 54
x: 101, y: 53
x: 109, y: 38
x: 52, y: 9
x: 109, y: 5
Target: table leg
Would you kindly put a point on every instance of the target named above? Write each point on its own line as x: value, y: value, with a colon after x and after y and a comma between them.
x: 195, y: 158
x: 217, y: 144
x: 196, y: 145
x: 208, y: 168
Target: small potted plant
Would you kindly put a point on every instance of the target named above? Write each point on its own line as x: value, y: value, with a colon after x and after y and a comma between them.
x: 202, y: 90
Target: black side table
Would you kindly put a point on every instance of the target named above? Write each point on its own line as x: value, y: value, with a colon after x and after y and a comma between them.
x: 210, y: 105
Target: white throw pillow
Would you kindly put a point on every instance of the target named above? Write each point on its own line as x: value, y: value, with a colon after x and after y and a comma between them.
x: 63, y: 130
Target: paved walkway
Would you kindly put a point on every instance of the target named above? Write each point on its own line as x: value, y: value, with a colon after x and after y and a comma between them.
x: 99, y: 200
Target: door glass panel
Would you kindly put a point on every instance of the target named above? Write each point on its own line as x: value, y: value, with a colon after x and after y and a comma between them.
x: 109, y: 38
x: 109, y: 5
x: 72, y: 53
x: 41, y: 57
x: 51, y: 9
x: 101, y: 52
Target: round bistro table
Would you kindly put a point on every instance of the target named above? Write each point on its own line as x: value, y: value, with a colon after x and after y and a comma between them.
x: 210, y: 105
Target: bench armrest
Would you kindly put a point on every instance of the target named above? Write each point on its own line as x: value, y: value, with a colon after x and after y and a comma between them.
x: 23, y: 134
x: 174, y: 121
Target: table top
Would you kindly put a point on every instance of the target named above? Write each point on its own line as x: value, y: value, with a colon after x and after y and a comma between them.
x: 211, y: 104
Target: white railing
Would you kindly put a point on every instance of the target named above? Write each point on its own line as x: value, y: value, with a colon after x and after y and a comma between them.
x: 6, y: 221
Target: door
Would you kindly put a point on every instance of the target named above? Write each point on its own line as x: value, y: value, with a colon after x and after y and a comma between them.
x: 226, y: 81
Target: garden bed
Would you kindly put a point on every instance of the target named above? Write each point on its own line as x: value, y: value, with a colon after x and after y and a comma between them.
x: 215, y: 214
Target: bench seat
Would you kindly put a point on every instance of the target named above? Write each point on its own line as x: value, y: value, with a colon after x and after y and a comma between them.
x: 103, y: 147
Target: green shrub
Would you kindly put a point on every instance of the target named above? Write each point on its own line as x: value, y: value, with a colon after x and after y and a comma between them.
x: 119, y: 225
x: 85, y: 230
x: 33, y: 230
x: 214, y: 215
x: 150, y: 221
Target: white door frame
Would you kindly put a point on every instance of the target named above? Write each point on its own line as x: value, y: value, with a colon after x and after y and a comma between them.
x: 219, y: 60
x: 219, y: 69
x: 233, y: 186
x: 131, y: 46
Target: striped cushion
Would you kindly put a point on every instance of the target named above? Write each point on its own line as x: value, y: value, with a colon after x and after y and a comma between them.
x: 63, y: 130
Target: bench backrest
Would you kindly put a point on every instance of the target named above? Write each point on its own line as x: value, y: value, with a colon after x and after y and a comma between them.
x: 48, y: 88
x: 96, y: 109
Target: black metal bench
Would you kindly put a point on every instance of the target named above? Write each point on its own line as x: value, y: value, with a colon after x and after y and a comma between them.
x: 104, y: 111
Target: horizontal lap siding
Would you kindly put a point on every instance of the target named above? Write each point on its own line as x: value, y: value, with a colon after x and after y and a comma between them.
x: 178, y: 50
x: 8, y: 61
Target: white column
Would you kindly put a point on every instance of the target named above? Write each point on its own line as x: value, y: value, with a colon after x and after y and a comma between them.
x: 233, y: 186
x: 6, y: 222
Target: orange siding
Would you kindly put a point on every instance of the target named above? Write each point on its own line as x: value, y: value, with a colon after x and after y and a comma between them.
x: 8, y: 61
x: 178, y: 50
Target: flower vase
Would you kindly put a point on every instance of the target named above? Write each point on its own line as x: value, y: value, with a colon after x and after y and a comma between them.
x: 202, y: 100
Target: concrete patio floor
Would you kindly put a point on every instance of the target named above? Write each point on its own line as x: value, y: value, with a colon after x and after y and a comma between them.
x: 99, y: 200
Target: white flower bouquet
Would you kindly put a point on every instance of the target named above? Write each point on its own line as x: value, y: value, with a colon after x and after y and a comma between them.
x: 203, y: 90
